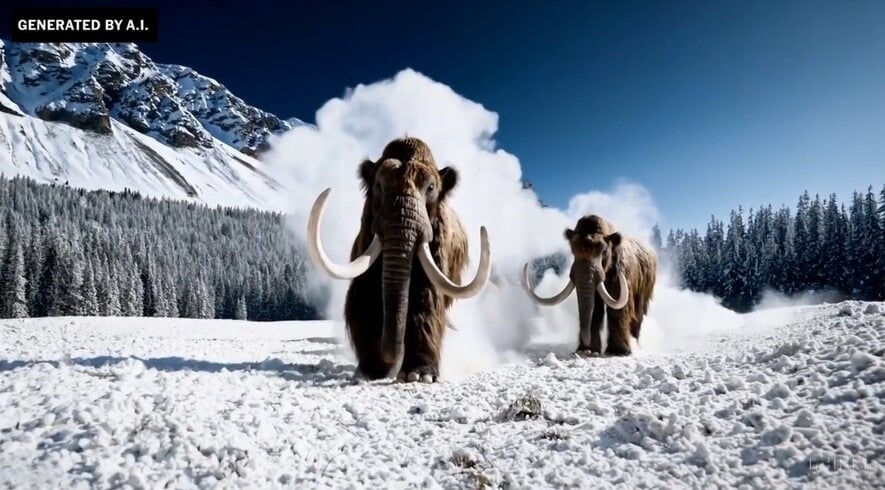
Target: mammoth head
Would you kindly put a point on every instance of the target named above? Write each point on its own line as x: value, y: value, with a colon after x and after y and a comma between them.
x: 594, y: 240
x: 405, y: 181
x: 405, y: 196
x: 594, y: 244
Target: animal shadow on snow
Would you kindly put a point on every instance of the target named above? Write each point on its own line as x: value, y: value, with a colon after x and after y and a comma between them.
x: 321, y: 373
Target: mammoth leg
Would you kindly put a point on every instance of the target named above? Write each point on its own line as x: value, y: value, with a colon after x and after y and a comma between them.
x: 635, y: 326
x: 618, y: 332
x: 364, y: 317
x: 423, y: 345
x: 424, y: 335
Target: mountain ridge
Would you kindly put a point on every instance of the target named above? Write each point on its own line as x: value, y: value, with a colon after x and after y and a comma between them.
x: 104, y: 115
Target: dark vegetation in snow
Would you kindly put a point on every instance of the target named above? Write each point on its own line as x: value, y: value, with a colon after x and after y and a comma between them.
x: 823, y: 250
x: 69, y: 251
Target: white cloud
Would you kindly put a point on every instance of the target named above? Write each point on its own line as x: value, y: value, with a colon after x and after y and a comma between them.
x: 459, y: 132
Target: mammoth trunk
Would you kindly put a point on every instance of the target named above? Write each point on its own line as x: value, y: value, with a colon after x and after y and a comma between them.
x: 585, y: 286
x: 398, y: 255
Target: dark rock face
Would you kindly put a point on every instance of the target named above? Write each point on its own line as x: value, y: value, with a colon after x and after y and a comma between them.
x: 83, y: 107
x: 224, y: 115
x: 85, y: 85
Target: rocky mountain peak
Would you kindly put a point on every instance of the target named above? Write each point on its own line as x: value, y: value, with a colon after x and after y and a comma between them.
x: 86, y: 84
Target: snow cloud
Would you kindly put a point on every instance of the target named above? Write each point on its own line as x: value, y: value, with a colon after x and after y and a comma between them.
x: 502, y: 320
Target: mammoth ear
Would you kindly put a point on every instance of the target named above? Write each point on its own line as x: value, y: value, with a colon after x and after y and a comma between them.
x: 367, y: 174
x: 449, y: 181
x: 569, y: 233
x: 614, y: 239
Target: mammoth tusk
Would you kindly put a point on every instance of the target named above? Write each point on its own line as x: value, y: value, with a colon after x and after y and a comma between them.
x: 607, y: 298
x: 317, y: 253
x: 444, y: 284
x: 551, y: 301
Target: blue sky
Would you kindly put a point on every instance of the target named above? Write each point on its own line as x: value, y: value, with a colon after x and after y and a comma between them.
x: 707, y: 104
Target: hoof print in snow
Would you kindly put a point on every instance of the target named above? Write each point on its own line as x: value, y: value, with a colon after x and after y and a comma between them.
x: 525, y: 408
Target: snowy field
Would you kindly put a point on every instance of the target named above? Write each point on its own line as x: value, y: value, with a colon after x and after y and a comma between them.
x: 794, y: 398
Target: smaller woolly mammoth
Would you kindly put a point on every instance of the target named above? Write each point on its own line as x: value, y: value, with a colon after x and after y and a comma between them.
x: 614, y: 277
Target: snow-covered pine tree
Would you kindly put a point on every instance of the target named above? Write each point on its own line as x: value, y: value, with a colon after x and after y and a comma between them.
x: 736, y: 292
x: 240, y: 311
x: 656, y: 242
x: 833, y: 245
x: 871, y: 274
x: 89, y: 305
x: 714, y: 265
x: 135, y: 303
x: 855, y: 246
x: 814, y: 261
x: 70, y: 282
x: 880, y: 294
x: 171, y: 299
x: 13, y: 295
x: 112, y: 303
x: 798, y: 274
x: 782, y: 228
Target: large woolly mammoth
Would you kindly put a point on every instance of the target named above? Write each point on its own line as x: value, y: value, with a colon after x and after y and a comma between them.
x: 614, y: 276
x: 406, y: 263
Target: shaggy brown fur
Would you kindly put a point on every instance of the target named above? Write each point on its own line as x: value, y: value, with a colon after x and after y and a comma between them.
x: 599, y: 250
x: 426, y: 317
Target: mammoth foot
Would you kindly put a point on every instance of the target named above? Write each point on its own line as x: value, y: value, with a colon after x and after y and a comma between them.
x: 423, y: 374
x: 618, y: 350
x: 584, y: 352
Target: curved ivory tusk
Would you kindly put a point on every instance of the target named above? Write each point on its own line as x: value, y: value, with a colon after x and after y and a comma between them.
x: 317, y: 253
x: 444, y: 284
x: 551, y: 301
x: 607, y: 298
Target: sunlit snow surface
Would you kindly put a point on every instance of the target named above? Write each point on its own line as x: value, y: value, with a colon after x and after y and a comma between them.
x: 791, y: 398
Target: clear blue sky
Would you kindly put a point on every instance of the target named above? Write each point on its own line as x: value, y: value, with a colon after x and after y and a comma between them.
x: 708, y: 104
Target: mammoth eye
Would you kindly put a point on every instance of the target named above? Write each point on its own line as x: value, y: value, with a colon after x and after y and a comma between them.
x: 431, y: 187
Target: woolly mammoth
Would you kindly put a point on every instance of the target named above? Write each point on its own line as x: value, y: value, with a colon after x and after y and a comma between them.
x: 406, y: 263
x: 614, y: 276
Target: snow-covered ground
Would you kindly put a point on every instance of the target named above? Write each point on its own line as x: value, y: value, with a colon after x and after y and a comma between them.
x: 793, y: 398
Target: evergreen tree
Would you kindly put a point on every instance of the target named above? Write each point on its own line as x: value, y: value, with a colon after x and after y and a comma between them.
x: 656, y: 238
x: 135, y: 296
x: 871, y: 275
x: 47, y: 298
x: 240, y: 312
x: 824, y: 246
x: 832, y: 265
x: 89, y: 305
x: 13, y: 295
x: 113, y: 305
x: 855, y: 253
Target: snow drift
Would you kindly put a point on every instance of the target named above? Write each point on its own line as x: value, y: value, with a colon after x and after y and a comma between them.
x: 179, y: 403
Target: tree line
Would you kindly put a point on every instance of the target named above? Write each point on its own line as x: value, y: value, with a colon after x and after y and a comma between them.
x: 67, y: 251
x: 70, y: 251
x: 822, y: 247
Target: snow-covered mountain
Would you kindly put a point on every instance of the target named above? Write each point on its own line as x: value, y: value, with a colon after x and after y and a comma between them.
x: 99, y: 115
